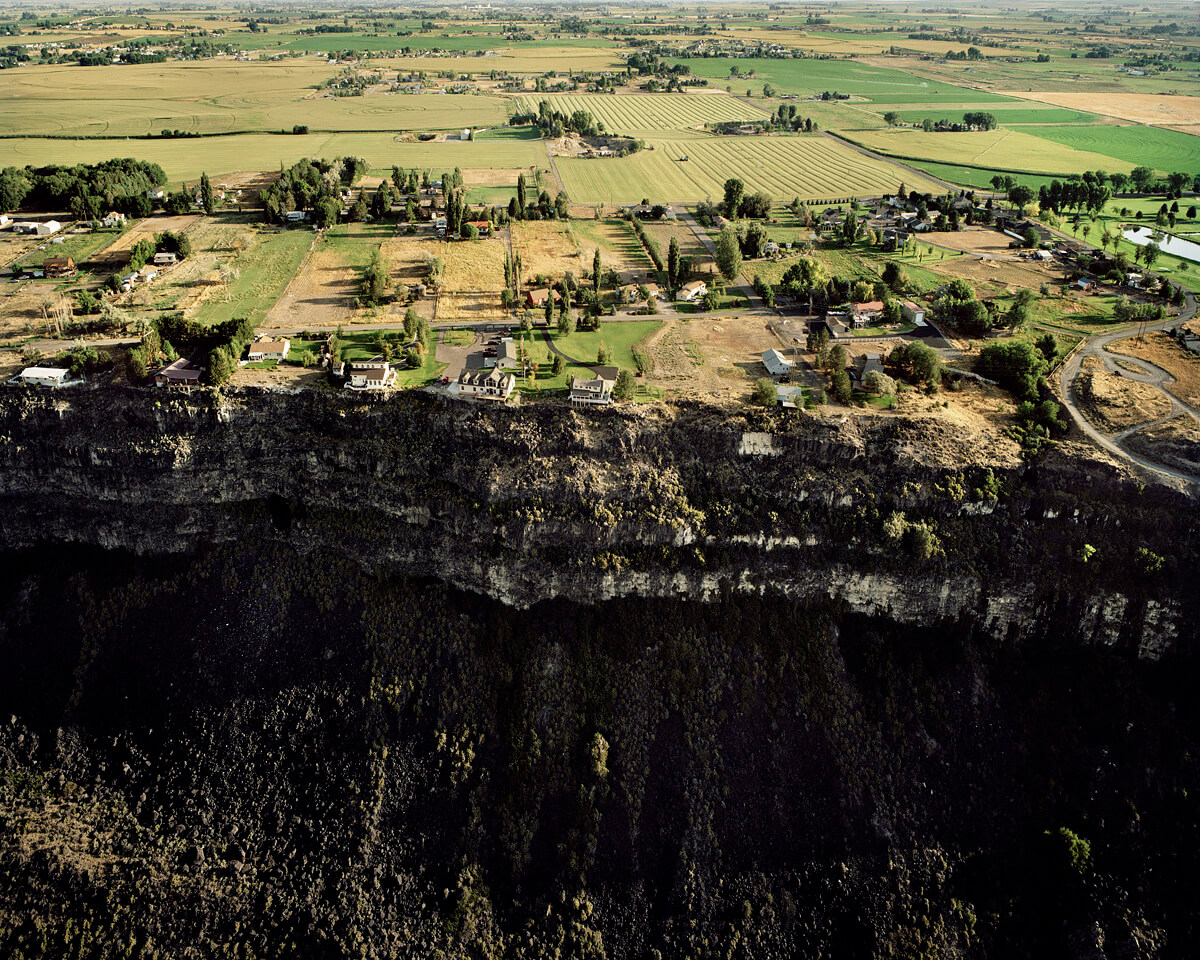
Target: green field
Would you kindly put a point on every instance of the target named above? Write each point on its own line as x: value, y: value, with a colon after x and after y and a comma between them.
x: 1005, y: 116
x: 583, y: 346
x: 650, y: 112
x: 977, y: 176
x: 1165, y: 150
x: 809, y: 167
x: 264, y: 270
x: 187, y: 159
x: 812, y: 77
x: 1008, y: 150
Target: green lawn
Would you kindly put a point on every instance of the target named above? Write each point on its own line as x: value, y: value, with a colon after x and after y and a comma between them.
x: 1165, y: 150
x: 264, y: 270
x: 80, y: 246
x: 299, y: 347
x: 582, y: 345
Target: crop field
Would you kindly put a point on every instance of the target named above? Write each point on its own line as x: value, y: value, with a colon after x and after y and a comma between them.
x: 144, y: 100
x: 995, y: 149
x: 1136, y: 107
x: 813, y: 77
x: 546, y: 247
x: 650, y: 112
x: 977, y: 176
x: 326, y: 283
x: 1165, y: 150
x: 187, y: 159
x: 809, y: 167
x: 619, y: 247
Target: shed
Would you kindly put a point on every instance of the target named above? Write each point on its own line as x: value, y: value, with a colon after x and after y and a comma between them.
x: 776, y: 363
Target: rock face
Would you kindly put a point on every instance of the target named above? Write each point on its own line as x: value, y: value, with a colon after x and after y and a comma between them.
x: 302, y: 675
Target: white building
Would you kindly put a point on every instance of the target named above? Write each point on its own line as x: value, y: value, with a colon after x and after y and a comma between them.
x: 492, y: 385
x: 268, y: 350
x: 45, y: 376
x: 594, y: 392
x: 165, y: 259
x: 371, y: 375
x: 776, y: 363
x: 466, y: 134
x: 693, y: 291
x: 47, y: 228
x: 913, y: 312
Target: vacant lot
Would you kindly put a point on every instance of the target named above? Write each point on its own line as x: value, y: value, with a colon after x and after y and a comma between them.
x: 1175, y: 443
x: 1161, y: 350
x: 619, y: 247
x: 323, y: 292
x: 1114, y: 403
x: 546, y: 247
x: 472, y: 265
x: 696, y: 168
x: 689, y: 245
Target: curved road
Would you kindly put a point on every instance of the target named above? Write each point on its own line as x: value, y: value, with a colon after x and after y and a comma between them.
x: 1147, y: 373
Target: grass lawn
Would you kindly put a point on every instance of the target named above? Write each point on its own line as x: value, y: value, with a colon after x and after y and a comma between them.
x: 458, y: 338
x: 299, y: 347
x: 79, y: 246
x: 263, y: 365
x: 420, y: 376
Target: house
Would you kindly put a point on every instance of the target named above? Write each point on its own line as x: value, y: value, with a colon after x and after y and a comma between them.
x: 506, y: 354
x: 440, y: 226
x: 113, y: 219
x: 629, y: 292
x: 490, y: 385
x: 1082, y: 284
x: 45, y: 376
x: 266, y: 349
x: 913, y: 312
x: 771, y: 249
x: 863, y: 315
x: 156, y: 194
x: 465, y: 134
x: 776, y: 363
x: 165, y: 259
x: 296, y: 216
x: 866, y: 363
x: 371, y: 375
x: 596, y: 391
x: 147, y: 273
x: 59, y: 267
x: 483, y: 226
x: 537, y: 298
x: 128, y: 282
x: 692, y: 291
x: 180, y: 375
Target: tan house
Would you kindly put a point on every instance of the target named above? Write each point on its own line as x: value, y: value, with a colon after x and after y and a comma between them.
x: 179, y: 375
x: 371, y: 375
x: 268, y: 350
x: 590, y: 393
x: 693, y: 291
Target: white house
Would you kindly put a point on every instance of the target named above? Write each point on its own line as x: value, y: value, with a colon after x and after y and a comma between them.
x: 165, y: 259
x: 45, y: 376
x: 266, y: 349
x: 371, y: 375
x: 913, y: 312
x: 776, y: 363
x: 466, y: 134
x: 506, y: 355
x: 113, y: 219
x: 492, y: 385
x: 594, y: 392
x: 693, y: 291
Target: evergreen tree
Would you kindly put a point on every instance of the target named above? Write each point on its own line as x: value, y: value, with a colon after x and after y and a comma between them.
x: 206, y: 194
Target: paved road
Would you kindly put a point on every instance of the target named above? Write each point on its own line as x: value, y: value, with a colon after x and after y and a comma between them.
x: 1147, y: 373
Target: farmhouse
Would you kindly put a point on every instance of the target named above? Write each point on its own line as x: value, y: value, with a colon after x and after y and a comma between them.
x: 268, y: 350
x: 863, y: 314
x: 371, y: 375
x: 492, y: 385
x: 776, y: 363
x: 180, y: 375
x: 59, y: 267
x: 537, y: 298
x: 693, y: 290
x: 113, y: 219
x: 596, y: 391
x: 147, y: 273
x: 483, y: 226
x: 45, y: 376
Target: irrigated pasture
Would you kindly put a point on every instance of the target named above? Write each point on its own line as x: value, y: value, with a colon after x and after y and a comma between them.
x: 650, y: 112
x: 809, y: 167
x: 994, y: 149
x: 812, y: 77
x: 1165, y: 150
x: 1005, y: 113
x: 1166, y: 111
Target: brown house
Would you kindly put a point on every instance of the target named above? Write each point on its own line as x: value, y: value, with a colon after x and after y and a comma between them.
x: 59, y: 267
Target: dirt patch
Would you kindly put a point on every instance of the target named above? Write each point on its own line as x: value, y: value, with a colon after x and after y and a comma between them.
x: 1175, y: 443
x: 1138, y: 107
x: 284, y: 375
x: 981, y: 240
x: 322, y: 293
x: 472, y: 266
x: 719, y: 355
x: 689, y: 245
x: 1163, y: 351
x: 469, y: 306
x: 547, y: 248
x: 478, y: 177
x: 1113, y: 403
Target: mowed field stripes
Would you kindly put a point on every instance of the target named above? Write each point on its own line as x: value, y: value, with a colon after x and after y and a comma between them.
x: 808, y: 167
x: 649, y: 112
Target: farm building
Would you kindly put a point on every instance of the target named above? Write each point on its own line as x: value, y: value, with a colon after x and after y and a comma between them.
x: 776, y: 363
x: 48, y: 228
x: 59, y: 267
x: 165, y: 259
x: 913, y: 311
x: 45, y: 376
x: 466, y: 134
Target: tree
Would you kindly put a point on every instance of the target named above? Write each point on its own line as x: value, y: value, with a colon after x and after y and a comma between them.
x: 892, y: 118
x: 206, y: 194
x: 1150, y: 254
x: 603, y: 354
x: 1020, y: 197
x: 521, y: 198
x: 879, y: 383
x: 1142, y: 178
x: 374, y: 279
x: 596, y: 271
x: 839, y: 387
x: 766, y: 394
x: 557, y: 365
x: 734, y: 191
x: 894, y: 277
x: 729, y: 254
x: 625, y: 386
x: 1016, y: 365
x: 673, y: 266
x: 566, y: 320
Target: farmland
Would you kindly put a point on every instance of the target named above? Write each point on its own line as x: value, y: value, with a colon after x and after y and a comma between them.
x: 546, y: 247
x: 994, y: 149
x: 1164, y: 150
x: 809, y: 167
x: 619, y: 247
x: 642, y: 113
x: 1005, y: 113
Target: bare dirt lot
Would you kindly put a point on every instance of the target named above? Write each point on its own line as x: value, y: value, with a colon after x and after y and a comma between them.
x: 282, y: 376
x: 1175, y: 443
x: 321, y: 293
x: 1138, y: 107
x: 1161, y: 350
x: 982, y: 240
x: 546, y: 247
x: 1114, y: 403
x: 689, y: 246
x: 472, y: 265
x: 712, y: 356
